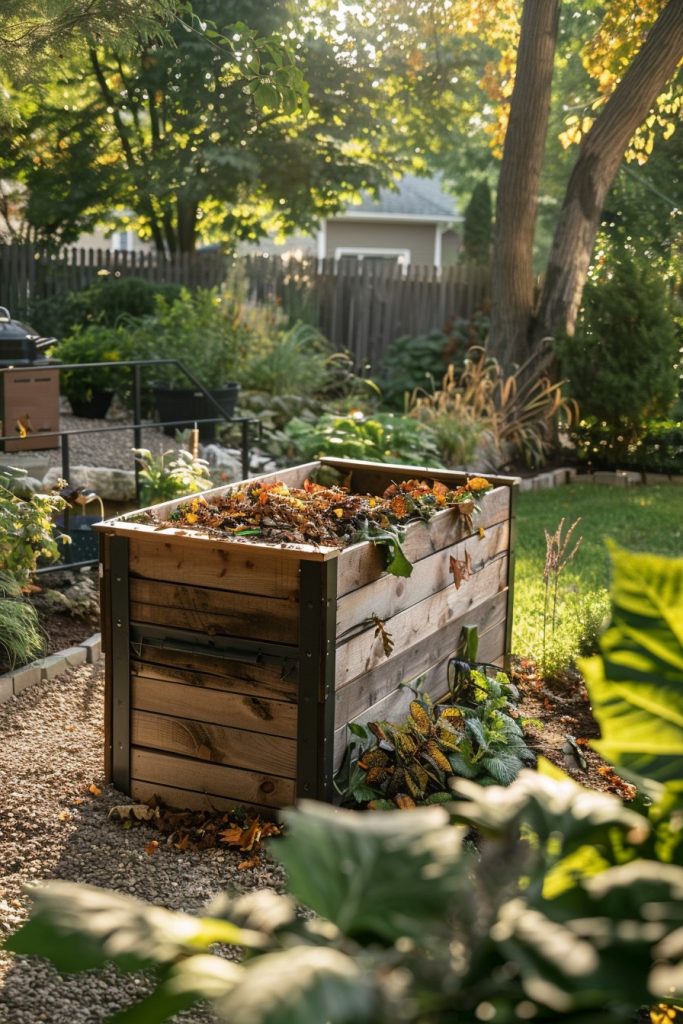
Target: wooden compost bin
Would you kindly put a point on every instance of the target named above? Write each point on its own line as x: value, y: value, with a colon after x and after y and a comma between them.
x: 233, y: 667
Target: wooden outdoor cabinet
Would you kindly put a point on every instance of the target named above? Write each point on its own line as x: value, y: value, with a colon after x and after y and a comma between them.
x: 234, y: 667
x: 29, y: 400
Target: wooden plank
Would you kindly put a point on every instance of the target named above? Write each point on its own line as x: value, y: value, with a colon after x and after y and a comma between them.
x: 427, y: 651
x: 217, y: 707
x: 364, y: 563
x: 213, y: 779
x: 187, y: 799
x: 394, y: 706
x: 194, y: 669
x: 223, y: 565
x: 106, y: 627
x: 374, y: 477
x: 215, y: 612
x: 364, y: 652
x: 216, y: 743
x: 389, y: 595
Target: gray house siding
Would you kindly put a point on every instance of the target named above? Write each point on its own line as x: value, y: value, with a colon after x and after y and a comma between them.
x: 418, y: 239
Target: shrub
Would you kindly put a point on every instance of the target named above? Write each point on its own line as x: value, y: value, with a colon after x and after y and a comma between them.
x: 421, y: 362
x: 386, y: 437
x: 620, y: 362
x: 104, y: 302
x: 657, y: 449
x: 95, y: 344
x: 300, y: 356
x: 27, y: 532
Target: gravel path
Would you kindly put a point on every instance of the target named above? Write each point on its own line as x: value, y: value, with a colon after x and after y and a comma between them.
x: 51, y: 826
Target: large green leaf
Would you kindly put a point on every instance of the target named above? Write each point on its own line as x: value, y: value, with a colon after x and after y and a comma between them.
x: 305, y: 983
x: 79, y: 927
x: 195, y: 978
x: 636, y: 685
x: 373, y: 874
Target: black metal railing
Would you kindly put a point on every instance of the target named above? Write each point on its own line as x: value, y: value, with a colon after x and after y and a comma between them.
x: 246, y: 424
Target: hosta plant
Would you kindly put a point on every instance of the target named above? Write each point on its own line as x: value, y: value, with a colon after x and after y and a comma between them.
x: 412, y: 762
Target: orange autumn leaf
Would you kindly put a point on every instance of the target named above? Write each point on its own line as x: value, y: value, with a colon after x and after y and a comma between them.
x: 152, y: 847
x: 95, y: 790
x: 231, y: 836
x: 251, y: 862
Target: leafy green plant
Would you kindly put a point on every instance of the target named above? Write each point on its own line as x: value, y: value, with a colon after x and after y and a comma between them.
x: 421, y: 362
x: 300, y: 356
x: 413, y: 762
x: 94, y: 344
x: 20, y: 638
x: 27, y: 532
x: 106, y: 302
x: 385, y: 437
x: 620, y: 361
x: 172, y: 474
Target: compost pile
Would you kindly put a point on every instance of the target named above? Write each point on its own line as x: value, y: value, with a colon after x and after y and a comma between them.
x: 315, y: 514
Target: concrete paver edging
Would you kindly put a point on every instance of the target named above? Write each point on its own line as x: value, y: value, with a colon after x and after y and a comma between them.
x: 15, y: 682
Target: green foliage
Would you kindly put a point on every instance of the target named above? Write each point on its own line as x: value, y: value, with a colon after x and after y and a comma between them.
x: 210, y: 332
x: 95, y: 344
x: 299, y: 356
x: 27, y: 532
x: 478, y: 226
x: 474, y: 736
x: 420, y: 363
x: 657, y: 449
x: 172, y: 474
x: 385, y: 437
x: 106, y: 302
x: 636, y: 684
x: 20, y: 638
x: 620, y: 362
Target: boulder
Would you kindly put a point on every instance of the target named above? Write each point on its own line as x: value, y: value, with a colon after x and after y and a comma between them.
x: 109, y: 484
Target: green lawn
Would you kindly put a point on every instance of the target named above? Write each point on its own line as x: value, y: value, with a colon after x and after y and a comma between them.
x: 639, y: 518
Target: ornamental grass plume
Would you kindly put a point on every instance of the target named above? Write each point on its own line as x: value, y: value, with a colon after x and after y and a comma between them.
x: 556, y: 561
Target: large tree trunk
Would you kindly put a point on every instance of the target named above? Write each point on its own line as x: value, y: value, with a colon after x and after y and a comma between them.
x: 512, y: 282
x: 601, y: 152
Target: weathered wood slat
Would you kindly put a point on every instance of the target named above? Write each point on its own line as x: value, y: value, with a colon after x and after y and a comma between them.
x: 212, y: 612
x: 389, y: 595
x: 237, y: 567
x: 216, y: 743
x: 394, y: 707
x: 364, y: 652
x: 218, y: 780
x: 216, y: 707
x: 429, y: 649
x: 375, y: 477
x: 203, y: 670
x: 363, y: 563
x: 174, y: 796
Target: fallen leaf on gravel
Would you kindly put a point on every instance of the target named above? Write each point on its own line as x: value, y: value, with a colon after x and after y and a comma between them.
x: 77, y: 801
x: 152, y: 847
x: 140, y: 812
x: 95, y: 790
x: 252, y: 862
x: 64, y: 816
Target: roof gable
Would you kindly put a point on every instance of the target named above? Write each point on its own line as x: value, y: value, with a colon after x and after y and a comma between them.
x: 414, y: 197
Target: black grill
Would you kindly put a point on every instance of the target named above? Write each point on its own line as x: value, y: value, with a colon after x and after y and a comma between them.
x: 19, y: 343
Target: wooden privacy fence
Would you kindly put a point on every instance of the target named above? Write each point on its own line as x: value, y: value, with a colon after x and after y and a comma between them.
x: 359, y: 305
x: 363, y: 306
x: 30, y: 274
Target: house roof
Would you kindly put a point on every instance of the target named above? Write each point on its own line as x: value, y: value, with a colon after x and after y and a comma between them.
x: 414, y: 197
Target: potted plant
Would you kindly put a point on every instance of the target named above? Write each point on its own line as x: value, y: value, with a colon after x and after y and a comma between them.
x: 91, y: 389
x: 209, y: 334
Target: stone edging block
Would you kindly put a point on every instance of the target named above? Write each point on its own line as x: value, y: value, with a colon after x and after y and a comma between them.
x: 15, y: 682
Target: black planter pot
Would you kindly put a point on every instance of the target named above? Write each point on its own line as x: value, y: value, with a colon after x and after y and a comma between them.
x: 84, y: 546
x: 96, y: 407
x: 187, y: 405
